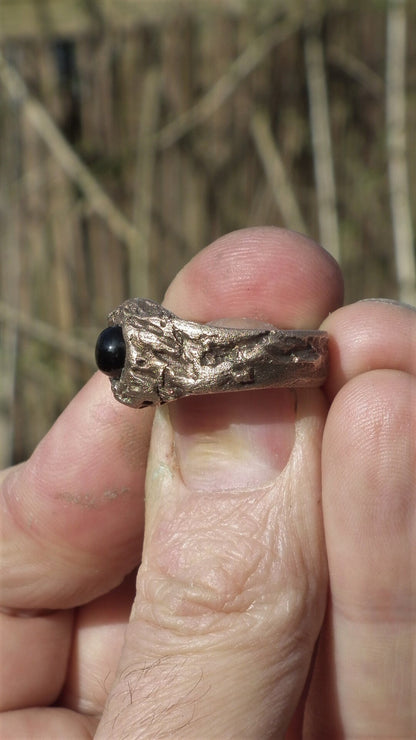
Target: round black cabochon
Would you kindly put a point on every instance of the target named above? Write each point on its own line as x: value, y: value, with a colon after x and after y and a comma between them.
x: 110, y: 351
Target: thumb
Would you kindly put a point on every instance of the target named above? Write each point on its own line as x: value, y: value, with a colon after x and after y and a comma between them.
x: 230, y: 594
x: 231, y: 590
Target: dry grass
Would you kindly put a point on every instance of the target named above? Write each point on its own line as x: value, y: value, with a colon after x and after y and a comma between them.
x: 125, y: 148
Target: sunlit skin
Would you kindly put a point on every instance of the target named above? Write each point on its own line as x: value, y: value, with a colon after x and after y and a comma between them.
x: 276, y: 594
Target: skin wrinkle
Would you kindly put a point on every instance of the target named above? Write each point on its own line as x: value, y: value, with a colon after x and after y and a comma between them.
x: 198, y: 629
x: 196, y: 633
x: 229, y: 584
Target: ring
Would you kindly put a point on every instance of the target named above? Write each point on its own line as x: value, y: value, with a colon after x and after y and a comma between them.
x: 153, y: 357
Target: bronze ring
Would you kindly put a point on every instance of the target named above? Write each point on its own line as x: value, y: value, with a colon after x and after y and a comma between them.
x: 153, y: 356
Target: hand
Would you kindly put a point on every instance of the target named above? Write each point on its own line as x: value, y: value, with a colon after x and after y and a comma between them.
x: 258, y: 505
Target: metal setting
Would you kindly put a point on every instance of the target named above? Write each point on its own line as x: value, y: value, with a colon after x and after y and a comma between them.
x: 167, y: 358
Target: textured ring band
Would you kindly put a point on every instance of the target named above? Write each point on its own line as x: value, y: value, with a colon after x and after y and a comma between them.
x: 153, y: 356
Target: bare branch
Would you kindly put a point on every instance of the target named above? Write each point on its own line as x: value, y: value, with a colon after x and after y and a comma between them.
x: 9, y: 282
x: 217, y: 95
x: 397, y: 151
x: 357, y: 70
x: 43, y: 332
x: 321, y: 140
x: 276, y: 174
x: 143, y: 192
x: 40, y: 120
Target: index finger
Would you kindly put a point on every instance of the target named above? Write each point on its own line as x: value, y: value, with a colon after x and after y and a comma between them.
x: 72, y: 515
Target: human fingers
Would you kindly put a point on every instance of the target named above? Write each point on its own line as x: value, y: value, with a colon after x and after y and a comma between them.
x: 364, y: 675
x: 76, y: 503
x: 231, y: 589
x: 71, y: 528
x: 370, y: 335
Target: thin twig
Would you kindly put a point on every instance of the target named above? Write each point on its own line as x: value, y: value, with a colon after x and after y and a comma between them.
x: 226, y: 85
x: 356, y: 69
x: 139, y: 273
x: 9, y: 341
x: 321, y: 141
x: 397, y: 151
x: 98, y: 201
x: 44, y: 332
x: 276, y: 174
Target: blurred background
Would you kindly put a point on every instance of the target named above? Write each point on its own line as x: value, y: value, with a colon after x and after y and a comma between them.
x: 134, y: 132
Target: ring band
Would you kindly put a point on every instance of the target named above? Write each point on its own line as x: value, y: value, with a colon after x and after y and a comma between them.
x: 153, y: 356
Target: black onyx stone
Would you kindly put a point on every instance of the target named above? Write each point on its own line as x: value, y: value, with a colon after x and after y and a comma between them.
x: 110, y: 351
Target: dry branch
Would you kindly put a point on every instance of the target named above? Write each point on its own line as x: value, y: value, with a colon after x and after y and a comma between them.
x: 276, y: 174
x: 356, y: 69
x: 319, y: 116
x: 8, y: 346
x: 97, y: 200
x: 139, y: 273
x: 397, y: 151
x: 43, y: 332
x: 223, y: 89
x: 10, y: 278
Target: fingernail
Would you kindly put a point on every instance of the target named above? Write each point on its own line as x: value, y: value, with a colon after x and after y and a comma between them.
x: 233, y: 441
x: 389, y: 301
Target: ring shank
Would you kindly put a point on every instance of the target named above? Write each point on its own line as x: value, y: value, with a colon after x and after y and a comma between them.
x: 168, y: 357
